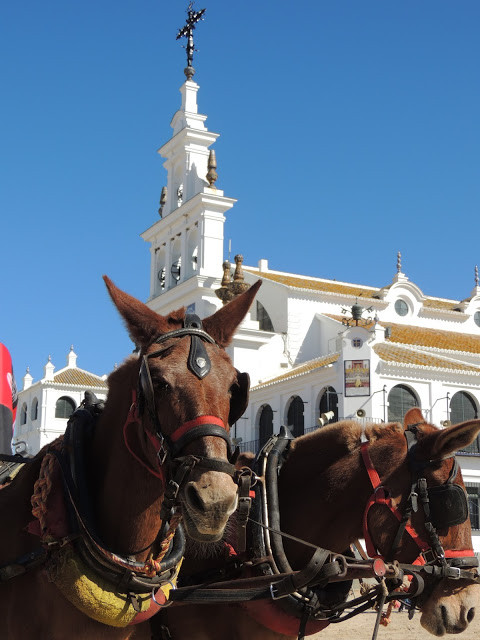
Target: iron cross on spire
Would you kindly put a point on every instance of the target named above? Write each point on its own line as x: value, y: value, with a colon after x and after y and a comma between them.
x: 187, y: 32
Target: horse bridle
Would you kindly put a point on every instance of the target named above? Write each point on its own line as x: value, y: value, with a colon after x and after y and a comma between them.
x: 168, y: 447
x: 443, y: 506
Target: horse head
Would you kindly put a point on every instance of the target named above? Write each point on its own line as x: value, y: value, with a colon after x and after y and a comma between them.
x: 348, y: 481
x: 188, y: 394
x: 424, y: 485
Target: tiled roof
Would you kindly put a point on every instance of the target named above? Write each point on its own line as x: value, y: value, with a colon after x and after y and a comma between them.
x: 435, y: 303
x: 449, y: 340
x: 301, y: 369
x: 423, y: 337
x: 404, y: 355
x: 79, y: 377
x: 332, y: 286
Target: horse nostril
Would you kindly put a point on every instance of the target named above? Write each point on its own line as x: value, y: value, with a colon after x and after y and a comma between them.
x: 471, y: 614
x: 443, y: 611
x: 194, y: 498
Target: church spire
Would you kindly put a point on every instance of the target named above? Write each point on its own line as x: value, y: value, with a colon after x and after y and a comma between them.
x: 187, y: 238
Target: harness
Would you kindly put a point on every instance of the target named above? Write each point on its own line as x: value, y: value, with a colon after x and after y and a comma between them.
x: 304, y: 602
x: 280, y: 598
x: 142, y: 587
x: 443, y: 506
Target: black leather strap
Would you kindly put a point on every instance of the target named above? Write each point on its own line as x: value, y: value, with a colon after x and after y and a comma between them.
x: 200, y: 432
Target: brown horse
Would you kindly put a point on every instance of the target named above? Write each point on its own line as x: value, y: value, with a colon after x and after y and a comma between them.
x: 165, y: 424
x: 325, y: 494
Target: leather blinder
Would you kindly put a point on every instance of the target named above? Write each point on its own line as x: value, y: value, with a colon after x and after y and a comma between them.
x: 448, y: 505
x: 239, y: 399
x: 198, y: 359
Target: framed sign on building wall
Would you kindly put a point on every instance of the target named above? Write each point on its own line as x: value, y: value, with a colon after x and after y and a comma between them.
x: 357, y: 378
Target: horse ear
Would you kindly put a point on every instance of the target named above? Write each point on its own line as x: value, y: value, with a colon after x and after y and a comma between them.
x: 143, y: 324
x: 222, y: 324
x: 413, y: 416
x: 446, y: 442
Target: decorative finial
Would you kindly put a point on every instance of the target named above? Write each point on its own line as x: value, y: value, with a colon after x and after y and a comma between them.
x: 238, y: 275
x: 28, y: 370
x: 227, y: 276
x: 163, y: 201
x: 49, y: 358
x: 212, y: 175
x: 476, y: 275
x: 230, y: 290
x: 187, y: 32
x: 399, y: 262
x: 71, y: 347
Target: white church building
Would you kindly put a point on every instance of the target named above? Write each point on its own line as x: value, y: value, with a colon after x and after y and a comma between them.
x: 316, y: 350
x: 44, y: 406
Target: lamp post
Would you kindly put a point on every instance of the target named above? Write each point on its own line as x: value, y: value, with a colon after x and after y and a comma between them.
x: 384, y: 391
x: 447, y: 398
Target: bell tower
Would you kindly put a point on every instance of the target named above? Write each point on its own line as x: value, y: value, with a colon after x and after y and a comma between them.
x: 186, y: 243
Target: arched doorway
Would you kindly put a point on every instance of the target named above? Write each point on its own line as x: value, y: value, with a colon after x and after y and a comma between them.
x: 329, y: 402
x: 295, y: 418
x: 265, y: 424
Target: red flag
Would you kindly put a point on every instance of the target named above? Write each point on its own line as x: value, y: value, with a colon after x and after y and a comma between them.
x: 8, y: 400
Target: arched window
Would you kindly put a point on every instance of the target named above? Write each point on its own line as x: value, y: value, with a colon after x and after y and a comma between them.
x: 160, y: 269
x: 265, y: 424
x: 64, y: 408
x: 295, y: 416
x: 263, y: 318
x: 191, y: 266
x: 400, y: 400
x: 176, y: 272
x: 23, y: 414
x: 34, y: 409
x: 329, y: 402
x: 463, y: 407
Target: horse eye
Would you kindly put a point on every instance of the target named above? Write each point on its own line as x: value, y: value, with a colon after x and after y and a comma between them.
x: 161, y: 385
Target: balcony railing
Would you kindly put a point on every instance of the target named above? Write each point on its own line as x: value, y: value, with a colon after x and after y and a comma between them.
x: 251, y: 445
x: 472, y: 449
x: 255, y: 445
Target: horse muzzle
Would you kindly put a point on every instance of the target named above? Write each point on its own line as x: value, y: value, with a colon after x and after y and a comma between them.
x: 207, y: 503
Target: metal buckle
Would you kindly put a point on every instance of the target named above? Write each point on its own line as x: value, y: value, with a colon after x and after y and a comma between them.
x: 456, y: 573
x: 163, y: 451
x: 274, y: 592
x: 429, y: 556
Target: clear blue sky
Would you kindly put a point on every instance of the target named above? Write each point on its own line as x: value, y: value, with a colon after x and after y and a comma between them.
x: 349, y: 131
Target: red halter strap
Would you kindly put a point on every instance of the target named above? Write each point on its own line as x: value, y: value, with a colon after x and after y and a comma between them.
x: 191, y: 424
x: 379, y: 496
x: 193, y: 427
